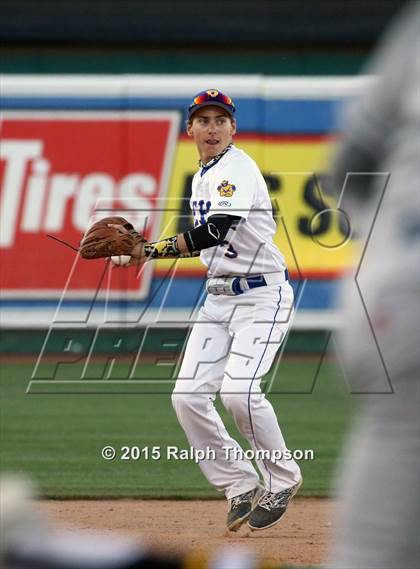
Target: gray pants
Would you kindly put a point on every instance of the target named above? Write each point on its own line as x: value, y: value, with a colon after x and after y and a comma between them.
x: 379, y: 524
x: 380, y: 521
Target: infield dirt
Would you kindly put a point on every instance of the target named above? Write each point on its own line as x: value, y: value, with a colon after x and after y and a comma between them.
x: 301, y: 538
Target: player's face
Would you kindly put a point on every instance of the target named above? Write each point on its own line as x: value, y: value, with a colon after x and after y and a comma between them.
x: 212, y: 129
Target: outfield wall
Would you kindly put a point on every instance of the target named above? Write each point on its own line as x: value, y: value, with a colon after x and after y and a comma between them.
x: 69, y: 141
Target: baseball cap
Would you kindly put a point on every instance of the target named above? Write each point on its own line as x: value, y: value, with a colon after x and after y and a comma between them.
x: 212, y: 97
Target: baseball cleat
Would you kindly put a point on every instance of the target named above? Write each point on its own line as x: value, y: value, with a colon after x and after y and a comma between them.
x: 271, y: 507
x: 240, y: 508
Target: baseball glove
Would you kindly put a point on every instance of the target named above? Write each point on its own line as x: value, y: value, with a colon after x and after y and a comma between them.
x: 108, y: 237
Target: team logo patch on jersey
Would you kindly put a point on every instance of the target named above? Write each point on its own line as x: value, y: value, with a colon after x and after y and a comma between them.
x: 226, y: 190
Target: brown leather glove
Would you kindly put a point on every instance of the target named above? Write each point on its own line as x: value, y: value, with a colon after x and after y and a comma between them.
x: 108, y: 237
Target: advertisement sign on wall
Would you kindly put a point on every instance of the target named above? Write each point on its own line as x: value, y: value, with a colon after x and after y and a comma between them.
x: 55, y: 168
x: 71, y: 144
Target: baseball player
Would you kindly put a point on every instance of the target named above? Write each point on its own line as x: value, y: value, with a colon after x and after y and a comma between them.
x: 378, y: 163
x: 239, y: 329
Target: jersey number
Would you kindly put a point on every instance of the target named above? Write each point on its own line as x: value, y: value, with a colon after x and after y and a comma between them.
x: 231, y: 253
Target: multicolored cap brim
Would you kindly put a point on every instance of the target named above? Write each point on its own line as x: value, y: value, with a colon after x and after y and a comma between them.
x: 212, y: 97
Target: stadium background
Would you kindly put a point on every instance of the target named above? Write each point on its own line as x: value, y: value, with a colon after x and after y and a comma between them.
x: 289, y: 67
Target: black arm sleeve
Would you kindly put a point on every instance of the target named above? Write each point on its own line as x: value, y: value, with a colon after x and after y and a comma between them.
x: 211, y: 233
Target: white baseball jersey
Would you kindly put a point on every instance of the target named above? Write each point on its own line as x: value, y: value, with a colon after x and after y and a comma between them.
x: 234, y: 185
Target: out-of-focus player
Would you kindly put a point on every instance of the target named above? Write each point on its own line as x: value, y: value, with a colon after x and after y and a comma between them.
x: 380, y: 524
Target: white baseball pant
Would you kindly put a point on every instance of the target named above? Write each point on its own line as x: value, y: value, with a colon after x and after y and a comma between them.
x: 231, y: 347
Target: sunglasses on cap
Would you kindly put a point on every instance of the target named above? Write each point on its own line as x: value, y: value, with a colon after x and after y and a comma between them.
x: 211, y: 97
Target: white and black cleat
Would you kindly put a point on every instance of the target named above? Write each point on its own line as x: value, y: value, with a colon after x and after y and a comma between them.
x: 240, y: 508
x: 271, y: 507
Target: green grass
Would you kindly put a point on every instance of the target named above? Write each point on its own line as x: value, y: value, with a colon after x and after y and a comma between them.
x: 57, y: 437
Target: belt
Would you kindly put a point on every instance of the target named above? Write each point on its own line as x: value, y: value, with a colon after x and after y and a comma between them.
x: 232, y: 286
